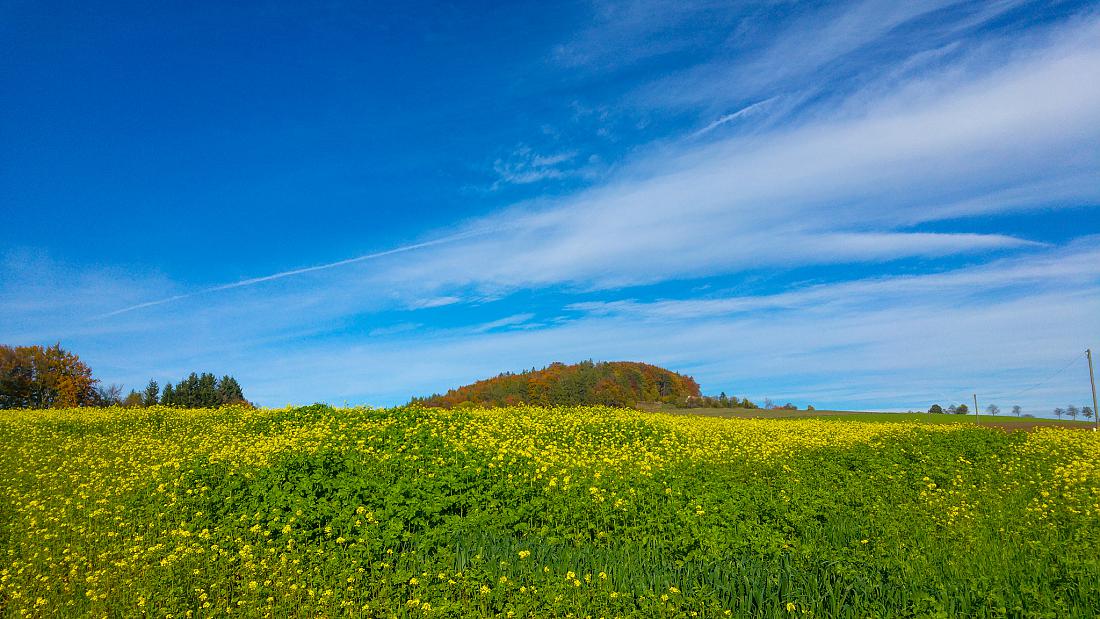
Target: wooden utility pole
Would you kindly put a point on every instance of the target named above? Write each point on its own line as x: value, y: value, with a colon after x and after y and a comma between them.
x: 976, y: 419
x: 1092, y: 381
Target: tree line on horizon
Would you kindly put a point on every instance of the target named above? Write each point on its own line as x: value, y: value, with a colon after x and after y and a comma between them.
x: 994, y: 410
x: 1073, y: 411
x: 196, y: 391
x: 52, y: 377
x: 723, y: 401
x: 961, y: 409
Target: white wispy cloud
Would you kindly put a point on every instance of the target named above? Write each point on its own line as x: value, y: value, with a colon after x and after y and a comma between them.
x: 812, y: 51
x: 525, y: 166
x: 431, y: 302
x: 507, y: 321
x: 832, y: 190
x: 1076, y: 265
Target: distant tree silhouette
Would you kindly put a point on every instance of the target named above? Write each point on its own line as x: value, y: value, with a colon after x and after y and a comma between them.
x: 132, y: 399
x: 208, y: 390
x: 935, y: 409
x: 110, y: 395
x: 229, y: 391
x: 151, y: 395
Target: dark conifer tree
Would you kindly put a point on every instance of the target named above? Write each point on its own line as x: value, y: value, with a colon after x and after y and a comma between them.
x: 187, y: 392
x: 208, y: 391
x: 151, y: 395
x: 168, y: 397
x: 229, y: 391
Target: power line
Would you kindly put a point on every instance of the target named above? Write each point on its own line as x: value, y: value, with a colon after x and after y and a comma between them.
x: 1038, y: 384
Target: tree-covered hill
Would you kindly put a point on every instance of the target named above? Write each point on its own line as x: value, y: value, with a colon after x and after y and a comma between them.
x: 616, y: 383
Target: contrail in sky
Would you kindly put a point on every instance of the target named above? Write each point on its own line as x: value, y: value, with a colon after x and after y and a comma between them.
x: 745, y: 111
x: 321, y: 267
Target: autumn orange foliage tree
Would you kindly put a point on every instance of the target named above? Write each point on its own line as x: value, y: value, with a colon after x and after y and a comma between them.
x: 37, y: 377
x: 614, y: 383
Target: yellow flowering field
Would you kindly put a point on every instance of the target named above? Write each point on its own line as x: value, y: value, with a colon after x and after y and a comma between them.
x: 539, y: 512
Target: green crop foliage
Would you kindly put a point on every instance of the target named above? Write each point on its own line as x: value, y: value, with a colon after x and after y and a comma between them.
x: 539, y: 512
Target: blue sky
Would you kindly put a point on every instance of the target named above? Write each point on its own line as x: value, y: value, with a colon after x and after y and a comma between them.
x: 866, y: 204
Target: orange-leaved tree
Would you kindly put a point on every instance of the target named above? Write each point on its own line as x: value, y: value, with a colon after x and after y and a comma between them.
x: 37, y: 377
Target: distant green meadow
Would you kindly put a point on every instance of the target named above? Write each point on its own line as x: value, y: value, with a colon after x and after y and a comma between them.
x: 755, y: 413
x: 948, y: 418
x: 541, y: 512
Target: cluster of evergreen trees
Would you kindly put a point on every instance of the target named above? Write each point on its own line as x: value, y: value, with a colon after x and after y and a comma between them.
x: 199, y: 391
x: 195, y: 391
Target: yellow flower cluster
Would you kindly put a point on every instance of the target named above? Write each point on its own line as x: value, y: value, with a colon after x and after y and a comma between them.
x: 108, y: 512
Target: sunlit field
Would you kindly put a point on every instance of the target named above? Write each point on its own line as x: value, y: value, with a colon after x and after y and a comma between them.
x: 1004, y: 421
x: 527, y: 512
